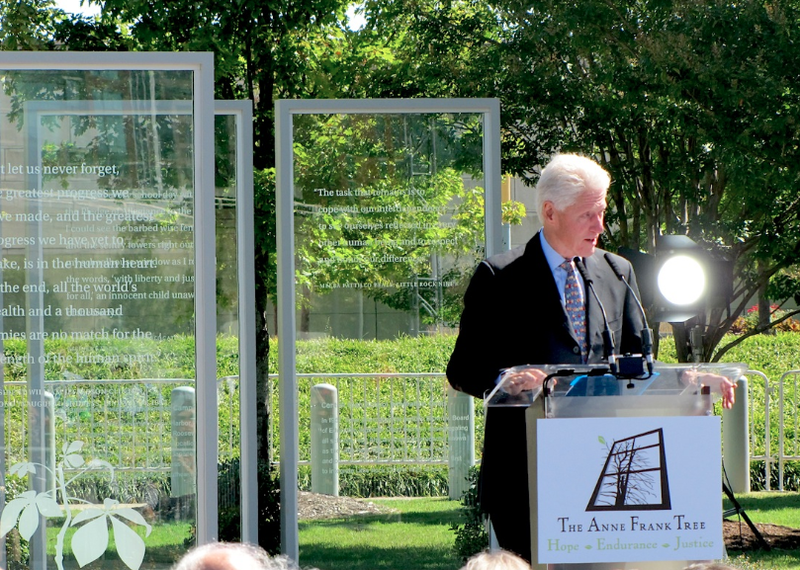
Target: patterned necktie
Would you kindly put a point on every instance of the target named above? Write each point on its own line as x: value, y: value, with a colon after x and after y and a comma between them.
x: 576, y: 311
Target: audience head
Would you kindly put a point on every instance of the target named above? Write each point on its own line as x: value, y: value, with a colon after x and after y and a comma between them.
x: 232, y: 556
x: 709, y: 566
x: 496, y: 560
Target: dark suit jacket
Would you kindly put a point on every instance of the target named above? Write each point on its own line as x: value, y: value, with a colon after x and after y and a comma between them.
x: 513, y: 316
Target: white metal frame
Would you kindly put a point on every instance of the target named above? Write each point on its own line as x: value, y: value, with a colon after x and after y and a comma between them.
x: 783, y: 456
x: 202, y: 67
x: 284, y: 112
x: 248, y: 470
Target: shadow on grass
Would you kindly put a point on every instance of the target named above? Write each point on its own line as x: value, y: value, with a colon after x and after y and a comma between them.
x: 411, y: 540
x: 775, y: 558
x: 378, y: 558
x: 770, y: 501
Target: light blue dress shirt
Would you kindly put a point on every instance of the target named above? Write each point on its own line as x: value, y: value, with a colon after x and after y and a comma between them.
x: 554, y: 260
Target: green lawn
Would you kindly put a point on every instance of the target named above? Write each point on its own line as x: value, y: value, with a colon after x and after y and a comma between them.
x: 417, y: 536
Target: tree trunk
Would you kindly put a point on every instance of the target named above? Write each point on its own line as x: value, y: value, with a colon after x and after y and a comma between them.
x: 681, y: 333
x: 262, y: 382
x: 266, y: 490
x: 764, y: 310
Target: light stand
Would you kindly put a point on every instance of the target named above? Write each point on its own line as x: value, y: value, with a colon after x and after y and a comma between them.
x: 737, y: 509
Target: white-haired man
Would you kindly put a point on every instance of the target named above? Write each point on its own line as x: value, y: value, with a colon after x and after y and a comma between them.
x: 517, y: 311
x: 529, y: 306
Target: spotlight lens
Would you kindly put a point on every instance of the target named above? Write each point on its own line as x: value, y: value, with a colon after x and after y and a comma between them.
x: 681, y: 280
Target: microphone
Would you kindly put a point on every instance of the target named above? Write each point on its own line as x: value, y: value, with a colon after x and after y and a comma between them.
x: 647, y: 332
x: 608, y: 336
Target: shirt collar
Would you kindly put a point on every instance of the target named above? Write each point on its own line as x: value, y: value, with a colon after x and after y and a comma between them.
x: 554, y: 259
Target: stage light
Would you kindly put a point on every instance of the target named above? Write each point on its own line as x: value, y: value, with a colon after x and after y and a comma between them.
x: 678, y: 285
x: 681, y: 280
x: 681, y: 269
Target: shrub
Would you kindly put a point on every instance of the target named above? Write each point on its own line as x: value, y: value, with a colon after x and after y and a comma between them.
x: 471, y: 537
x: 152, y: 488
x: 17, y: 550
x: 791, y: 476
x: 365, y: 481
x: 230, y: 520
x: 749, y: 321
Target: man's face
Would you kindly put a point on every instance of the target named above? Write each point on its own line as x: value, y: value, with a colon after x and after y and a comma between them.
x: 573, y: 231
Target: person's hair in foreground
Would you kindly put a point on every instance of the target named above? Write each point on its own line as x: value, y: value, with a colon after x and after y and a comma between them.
x: 496, y: 560
x: 709, y: 566
x: 232, y: 556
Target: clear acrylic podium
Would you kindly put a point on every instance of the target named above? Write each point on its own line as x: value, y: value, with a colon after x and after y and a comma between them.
x: 587, y: 391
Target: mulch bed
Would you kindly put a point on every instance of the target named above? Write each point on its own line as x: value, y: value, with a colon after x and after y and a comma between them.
x: 738, y: 536
x: 315, y: 506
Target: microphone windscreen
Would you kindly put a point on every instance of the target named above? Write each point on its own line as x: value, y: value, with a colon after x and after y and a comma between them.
x: 582, y: 269
x: 614, y: 267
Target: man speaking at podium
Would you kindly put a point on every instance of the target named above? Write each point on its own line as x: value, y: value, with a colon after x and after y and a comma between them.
x: 530, y: 306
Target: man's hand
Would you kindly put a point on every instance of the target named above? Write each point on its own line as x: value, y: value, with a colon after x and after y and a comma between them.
x: 516, y: 381
x: 717, y: 383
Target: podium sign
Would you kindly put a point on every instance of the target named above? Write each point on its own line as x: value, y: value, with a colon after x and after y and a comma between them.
x: 629, y: 489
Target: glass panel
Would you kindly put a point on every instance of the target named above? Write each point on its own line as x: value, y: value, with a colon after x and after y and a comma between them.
x: 388, y: 227
x: 388, y: 221
x: 96, y: 181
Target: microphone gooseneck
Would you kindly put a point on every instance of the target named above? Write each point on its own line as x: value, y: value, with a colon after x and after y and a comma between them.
x: 647, y: 332
x: 608, y: 336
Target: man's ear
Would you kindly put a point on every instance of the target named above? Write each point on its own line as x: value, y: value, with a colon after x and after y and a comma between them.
x: 548, y: 210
